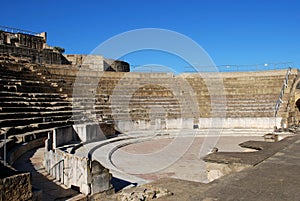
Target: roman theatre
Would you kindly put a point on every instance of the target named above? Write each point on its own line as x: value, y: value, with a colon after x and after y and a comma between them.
x: 83, y: 127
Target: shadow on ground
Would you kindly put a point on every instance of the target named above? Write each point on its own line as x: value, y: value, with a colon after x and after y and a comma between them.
x: 119, y: 184
x: 32, y: 162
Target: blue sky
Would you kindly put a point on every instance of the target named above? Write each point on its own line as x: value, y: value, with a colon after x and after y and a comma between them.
x: 231, y: 31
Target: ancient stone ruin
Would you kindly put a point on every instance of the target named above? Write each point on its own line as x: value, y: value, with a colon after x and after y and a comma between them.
x: 77, y: 106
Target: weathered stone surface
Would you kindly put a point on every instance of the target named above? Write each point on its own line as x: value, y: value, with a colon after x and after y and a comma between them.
x: 154, y: 101
x: 29, y: 48
x: 223, y: 163
x: 14, y: 185
x: 97, y: 62
x: 272, y: 179
x: 146, y: 192
x: 42, y: 182
x: 100, y: 178
x: 89, y: 176
x: 250, y: 158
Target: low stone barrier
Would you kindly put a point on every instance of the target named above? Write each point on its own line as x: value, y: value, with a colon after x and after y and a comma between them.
x: 81, y: 173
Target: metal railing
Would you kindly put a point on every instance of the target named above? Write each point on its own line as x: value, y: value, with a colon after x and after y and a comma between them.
x: 4, y: 149
x: 219, y: 68
x: 56, y: 164
x: 240, y: 68
x: 284, y: 86
x: 15, y: 30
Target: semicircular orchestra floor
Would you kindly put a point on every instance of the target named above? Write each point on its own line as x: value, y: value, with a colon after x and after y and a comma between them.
x: 144, y: 160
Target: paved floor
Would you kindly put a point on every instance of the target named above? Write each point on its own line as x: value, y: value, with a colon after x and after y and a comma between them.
x: 32, y: 162
x: 160, y: 157
x: 277, y: 179
x: 152, y: 159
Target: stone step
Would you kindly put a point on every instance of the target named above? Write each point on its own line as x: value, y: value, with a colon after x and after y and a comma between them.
x: 33, y: 127
x: 20, y: 81
x: 44, y: 114
x: 33, y: 104
x: 32, y: 95
x: 34, y: 109
x: 9, y: 88
x: 18, y: 75
x: 31, y: 99
x: 34, y: 120
x: 34, y: 89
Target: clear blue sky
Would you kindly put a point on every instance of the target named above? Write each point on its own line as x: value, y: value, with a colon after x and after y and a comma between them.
x: 231, y: 31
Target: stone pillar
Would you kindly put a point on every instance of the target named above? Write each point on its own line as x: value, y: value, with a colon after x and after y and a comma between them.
x: 100, y: 178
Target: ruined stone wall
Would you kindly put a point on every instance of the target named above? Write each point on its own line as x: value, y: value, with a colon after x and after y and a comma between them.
x: 44, y: 56
x: 75, y: 59
x: 116, y: 65
x: 3, y: 38
x: 216, y: 170
x: 33, y: 42
x: 23, y: 40
x: 14, y: 185
x: 97, y: 62
x: 28, y: 48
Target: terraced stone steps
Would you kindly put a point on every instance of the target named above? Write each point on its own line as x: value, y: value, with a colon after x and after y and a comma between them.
x: 251, y: 94
x: 33, y: 120
x: 16, y: 130
x: 32, y: 95
x: 43, y: 114
x: 30, y: 107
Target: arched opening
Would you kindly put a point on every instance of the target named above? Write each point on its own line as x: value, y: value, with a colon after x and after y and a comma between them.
x: 298, y: 104
x: 296, y: 115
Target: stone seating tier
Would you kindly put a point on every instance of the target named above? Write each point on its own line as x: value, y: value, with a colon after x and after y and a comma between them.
x: 251, y: 94
x: 30, y: 106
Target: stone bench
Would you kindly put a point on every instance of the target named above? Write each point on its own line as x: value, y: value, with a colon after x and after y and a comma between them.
x: 43, y: 114
x: 29, y: 103
x: 31, y: 95
x: 32, y: 127
x: 35, y: 109
x: 33, y: 120
x: 15, y: 98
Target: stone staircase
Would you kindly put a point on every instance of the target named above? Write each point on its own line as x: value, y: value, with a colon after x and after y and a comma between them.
x: 286, y: 100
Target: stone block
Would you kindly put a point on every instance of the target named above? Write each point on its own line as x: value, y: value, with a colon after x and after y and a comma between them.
x: 217, y: 170
x: 14, y: 185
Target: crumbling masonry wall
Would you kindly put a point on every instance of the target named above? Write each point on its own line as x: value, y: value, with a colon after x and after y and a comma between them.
x: 97, y: 62
x: 14, y: 185
x: 29, y: 48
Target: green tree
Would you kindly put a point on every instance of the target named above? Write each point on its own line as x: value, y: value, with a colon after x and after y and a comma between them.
x: 59, y: 49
